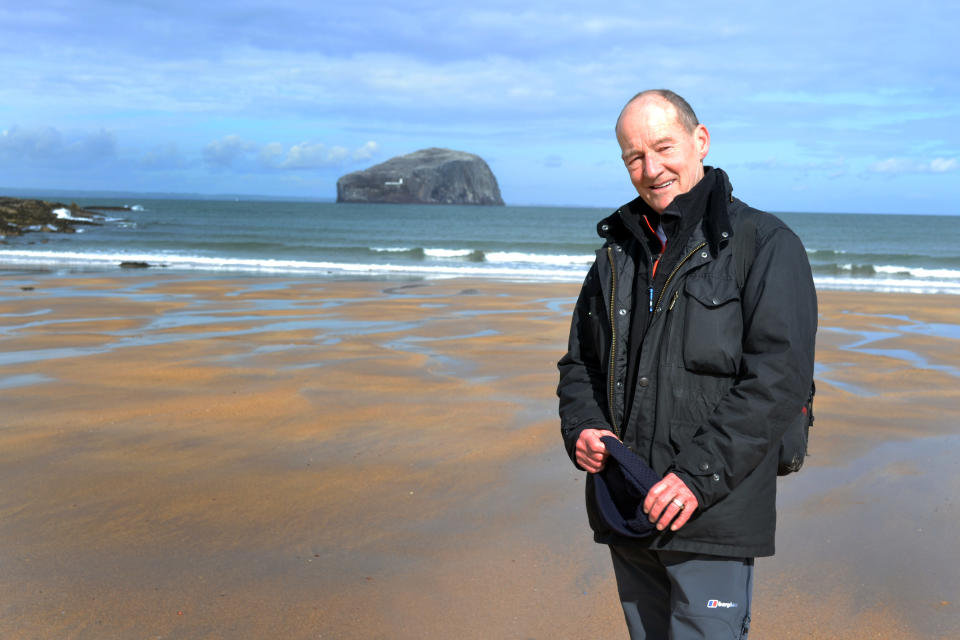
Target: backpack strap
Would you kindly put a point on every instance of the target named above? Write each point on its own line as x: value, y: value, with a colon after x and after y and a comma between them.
x: 744, y: 246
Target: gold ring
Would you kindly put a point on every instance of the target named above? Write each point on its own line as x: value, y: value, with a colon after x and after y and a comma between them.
x: 679, y: 504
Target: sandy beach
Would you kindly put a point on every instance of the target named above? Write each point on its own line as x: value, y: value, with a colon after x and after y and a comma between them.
x: 273, y: 457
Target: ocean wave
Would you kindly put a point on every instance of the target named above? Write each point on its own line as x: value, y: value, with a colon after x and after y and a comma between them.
x: 920, y: 272
x: 498, y: 265
x: 448, y: 253
x: 415, y: 253
x: 887, y: 285
x: 65, y: 214
x: 474, y: 255
x: 845, y: 269
x: 898, y: 271
x: 280, y: 266
x: 491, y: 257
x: 538, y: 258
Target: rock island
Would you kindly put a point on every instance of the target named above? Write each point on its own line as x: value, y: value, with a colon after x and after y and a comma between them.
x: 428, y: 176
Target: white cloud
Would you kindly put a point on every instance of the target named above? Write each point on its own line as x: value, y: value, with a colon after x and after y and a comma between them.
x: 941, y: 165
x: 31, y: 143
x: 271, y: 154
x: 163, y: 156
x: 367, y: 151
x: 313, y: 155
x: 911, y: 165
x: 227, y: 150
x: 308, y: 156
x: 234, y: 149
x: 48, y: 146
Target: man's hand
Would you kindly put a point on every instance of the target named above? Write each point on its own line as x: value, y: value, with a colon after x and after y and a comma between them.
x: 669, y: 501
x: 590, y: 452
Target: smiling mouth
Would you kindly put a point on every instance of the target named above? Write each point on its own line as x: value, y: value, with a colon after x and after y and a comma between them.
x: 662, y: 185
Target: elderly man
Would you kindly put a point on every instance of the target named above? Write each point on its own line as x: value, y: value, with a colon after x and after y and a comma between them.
x: 693, y: 365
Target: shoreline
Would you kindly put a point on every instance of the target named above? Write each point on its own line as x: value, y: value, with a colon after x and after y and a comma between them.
x: 380, y: 457
x: 152, y: 266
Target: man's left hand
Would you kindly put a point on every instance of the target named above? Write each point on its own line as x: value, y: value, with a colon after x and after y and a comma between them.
x: 670, y: 501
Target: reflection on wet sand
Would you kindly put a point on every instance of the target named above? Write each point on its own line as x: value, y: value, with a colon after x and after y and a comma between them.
x: 270, y: 457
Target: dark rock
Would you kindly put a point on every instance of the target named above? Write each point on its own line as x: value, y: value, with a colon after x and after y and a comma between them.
x: 109, y: 207
x: 19, y: 216
x: 428, y: 176
x: 134, y: 264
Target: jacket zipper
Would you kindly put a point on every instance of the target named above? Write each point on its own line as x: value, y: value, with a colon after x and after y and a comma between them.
x: 613, y: 342
x: 673, y: 273
x: 673, y: 301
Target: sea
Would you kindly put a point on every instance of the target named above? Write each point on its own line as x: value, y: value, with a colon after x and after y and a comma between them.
x: 851, y: 251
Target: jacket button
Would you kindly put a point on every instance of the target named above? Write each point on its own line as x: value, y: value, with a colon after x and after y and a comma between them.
x: 605, y: 227
x: 704, y: 466
x: 716, y: 477
x: 644, y: 381
x: 704, y: 254
x: 623, y: 312
x: 724, y: 234
x: 716, y: 301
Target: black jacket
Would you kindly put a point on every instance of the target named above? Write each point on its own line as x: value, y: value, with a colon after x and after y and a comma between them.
x: 719, y: 374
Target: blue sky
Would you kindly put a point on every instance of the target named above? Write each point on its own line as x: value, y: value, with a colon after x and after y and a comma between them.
x: 812, y: 106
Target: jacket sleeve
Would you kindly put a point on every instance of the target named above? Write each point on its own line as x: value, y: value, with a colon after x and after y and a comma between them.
x: 582, y: 387
x: 779, y: 307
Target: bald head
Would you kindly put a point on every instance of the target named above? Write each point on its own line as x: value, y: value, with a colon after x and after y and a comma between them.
x: 685, y: 114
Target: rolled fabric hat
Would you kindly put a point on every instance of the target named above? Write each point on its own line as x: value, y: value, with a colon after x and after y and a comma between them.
x: 620, y: 489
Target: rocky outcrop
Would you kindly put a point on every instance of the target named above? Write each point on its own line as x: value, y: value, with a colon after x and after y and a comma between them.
x: 428, y: 176
x: 19, y: 216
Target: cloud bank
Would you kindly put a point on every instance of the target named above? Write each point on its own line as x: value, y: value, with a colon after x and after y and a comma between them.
x: 229, y: 95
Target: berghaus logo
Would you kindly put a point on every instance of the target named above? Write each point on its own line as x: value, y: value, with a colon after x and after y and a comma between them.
x: 720, y: 604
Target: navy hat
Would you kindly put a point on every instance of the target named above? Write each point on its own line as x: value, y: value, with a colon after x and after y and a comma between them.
x: 620, y: 489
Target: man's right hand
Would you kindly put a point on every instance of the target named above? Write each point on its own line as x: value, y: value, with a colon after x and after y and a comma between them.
x: 591, y: 453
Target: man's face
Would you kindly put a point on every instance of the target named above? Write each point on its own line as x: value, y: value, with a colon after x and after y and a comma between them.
x: 662, y: 157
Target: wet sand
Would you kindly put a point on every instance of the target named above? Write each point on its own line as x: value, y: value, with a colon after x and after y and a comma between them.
x: 183, y: 457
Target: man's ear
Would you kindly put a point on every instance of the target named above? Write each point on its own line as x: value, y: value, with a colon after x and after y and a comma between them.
x: 702, y: 136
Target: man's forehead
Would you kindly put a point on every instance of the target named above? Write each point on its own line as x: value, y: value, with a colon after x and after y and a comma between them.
x: 655, y: 118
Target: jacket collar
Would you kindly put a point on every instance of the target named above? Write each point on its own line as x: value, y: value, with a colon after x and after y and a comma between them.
x: 706, y: 202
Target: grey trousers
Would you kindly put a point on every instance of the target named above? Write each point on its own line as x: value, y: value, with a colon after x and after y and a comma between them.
x: 671, y: 595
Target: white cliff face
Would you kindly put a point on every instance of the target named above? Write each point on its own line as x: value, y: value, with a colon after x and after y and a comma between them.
x: 428, y: 176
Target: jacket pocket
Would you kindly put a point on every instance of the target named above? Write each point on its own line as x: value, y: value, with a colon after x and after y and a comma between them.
x: 713, y: 326
x: 681, y: 432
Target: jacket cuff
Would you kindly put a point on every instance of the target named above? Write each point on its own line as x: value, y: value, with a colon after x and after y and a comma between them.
x: 572, y: 434
x: 702, y: 474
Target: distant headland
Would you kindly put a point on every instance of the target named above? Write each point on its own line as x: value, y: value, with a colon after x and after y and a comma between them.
x: 428, y: 176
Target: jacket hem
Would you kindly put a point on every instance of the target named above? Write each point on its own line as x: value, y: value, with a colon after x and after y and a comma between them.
x: 688, y: 546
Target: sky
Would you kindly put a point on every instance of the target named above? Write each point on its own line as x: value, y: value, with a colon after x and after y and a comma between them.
x: 811, y: 105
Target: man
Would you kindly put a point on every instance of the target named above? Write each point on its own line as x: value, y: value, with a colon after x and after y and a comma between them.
x: 697, y: 372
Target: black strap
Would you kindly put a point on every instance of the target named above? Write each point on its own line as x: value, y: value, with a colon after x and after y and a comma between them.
x: 744, y: 246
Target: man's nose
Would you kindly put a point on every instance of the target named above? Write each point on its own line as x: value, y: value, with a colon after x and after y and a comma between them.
x: 651, y: 166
